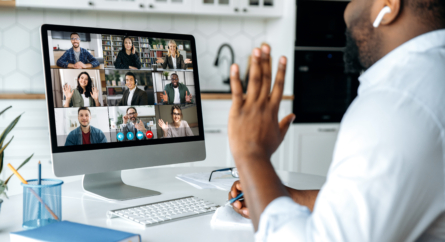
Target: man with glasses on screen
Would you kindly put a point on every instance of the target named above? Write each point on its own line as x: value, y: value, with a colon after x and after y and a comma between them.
x: 77, y: 57
x: 85, y: 134
x: 134, y: 125
x: 175, y: 92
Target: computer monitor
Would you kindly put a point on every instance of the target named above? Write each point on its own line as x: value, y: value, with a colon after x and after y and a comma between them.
x: 120, y: 99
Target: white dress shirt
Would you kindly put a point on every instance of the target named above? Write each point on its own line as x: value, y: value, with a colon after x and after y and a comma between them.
x: 174, y: 62
x: 130, y: 96
x: 177, y: 99
x: 386, y: 181
x: 86, y: 100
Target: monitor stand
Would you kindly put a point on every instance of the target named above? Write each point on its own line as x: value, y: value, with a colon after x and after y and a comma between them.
x: 109, y: 185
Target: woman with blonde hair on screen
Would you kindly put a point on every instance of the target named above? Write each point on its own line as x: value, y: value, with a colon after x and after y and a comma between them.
x: 173, y: 60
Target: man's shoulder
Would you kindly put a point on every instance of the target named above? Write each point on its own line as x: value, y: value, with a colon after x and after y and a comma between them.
x: 95, y: 130
x: 74, y: 131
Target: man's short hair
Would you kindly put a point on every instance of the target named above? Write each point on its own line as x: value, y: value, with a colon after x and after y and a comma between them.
x: 174, y: 74
x: 83, y: 108
x: 74, y: 33
x: 131, y: 108
x: 131, y: 74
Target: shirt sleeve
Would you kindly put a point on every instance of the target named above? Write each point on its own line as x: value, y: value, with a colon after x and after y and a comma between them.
x: 91, y: 60
x: 283, y: 220
x: 385, y: 182
x: 63, y: 60
x: 119, y: 64
x: 188, y: 131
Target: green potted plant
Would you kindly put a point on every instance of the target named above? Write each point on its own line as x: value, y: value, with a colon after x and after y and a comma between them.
x: 165, y: 74
x: 4, y: 184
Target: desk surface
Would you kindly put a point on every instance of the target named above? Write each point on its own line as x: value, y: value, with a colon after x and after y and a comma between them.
x: 100, y: 67
x: 78, y: 206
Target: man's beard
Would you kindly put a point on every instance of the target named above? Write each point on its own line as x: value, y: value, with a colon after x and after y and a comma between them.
x: 362, y: 50
x: 175, y: 84
x: 74, y: 45
x: 88, y: 124
x: 133, y: 120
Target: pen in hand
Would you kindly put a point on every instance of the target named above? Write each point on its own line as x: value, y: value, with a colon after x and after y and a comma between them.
x: 240, y: 197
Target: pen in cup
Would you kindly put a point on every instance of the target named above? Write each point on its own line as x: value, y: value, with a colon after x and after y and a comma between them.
x: 240, y: 197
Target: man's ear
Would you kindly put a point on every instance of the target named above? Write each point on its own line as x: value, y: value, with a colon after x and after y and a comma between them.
x: 388, y: 17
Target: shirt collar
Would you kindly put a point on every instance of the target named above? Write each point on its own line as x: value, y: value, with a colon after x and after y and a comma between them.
x: 134, y: 89
x: 384, y: 69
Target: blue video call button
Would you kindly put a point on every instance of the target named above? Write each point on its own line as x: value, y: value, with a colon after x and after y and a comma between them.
x: 140, y: 135
x: 120, y: 136
x: 130, y: 135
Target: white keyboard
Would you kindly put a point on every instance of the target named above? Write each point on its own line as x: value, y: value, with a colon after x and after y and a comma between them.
x: 165, y: 211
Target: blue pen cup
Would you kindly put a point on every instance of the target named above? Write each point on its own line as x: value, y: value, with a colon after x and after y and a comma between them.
x: 39, y: 199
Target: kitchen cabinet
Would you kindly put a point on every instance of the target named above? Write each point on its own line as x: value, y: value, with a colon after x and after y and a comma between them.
x: 169, y: 6
x: 270, y: 8
x: 265, y: 8
x: 314, y: 147
x: 222, y: 7
x: 245, y: 8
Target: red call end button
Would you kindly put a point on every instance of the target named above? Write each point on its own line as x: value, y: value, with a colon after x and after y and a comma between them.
x: 149, y: 134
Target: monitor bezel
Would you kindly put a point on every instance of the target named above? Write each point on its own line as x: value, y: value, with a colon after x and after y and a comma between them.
x: 112, y: 145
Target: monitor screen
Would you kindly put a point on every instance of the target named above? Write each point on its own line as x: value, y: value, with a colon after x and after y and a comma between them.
x: 116, y: 88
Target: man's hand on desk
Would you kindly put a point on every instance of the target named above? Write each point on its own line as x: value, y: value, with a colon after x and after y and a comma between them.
x: 303, y: 197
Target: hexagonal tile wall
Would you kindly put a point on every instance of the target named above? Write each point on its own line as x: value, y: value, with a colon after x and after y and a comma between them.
x: 7, y: 62
x: 30, y: 62
x: 7, y: 18
x: 208, y: 25
x: 184, y: 24
x: 160, y: 23
x: 231, y: 26
x: 253, y: 27
x: 201, y: 44
x: 30, y: 18
x: 38, y: 83
x: 16, y: 82
x: 242, y: 46
x: 16, y: 39
x: 215, y: 42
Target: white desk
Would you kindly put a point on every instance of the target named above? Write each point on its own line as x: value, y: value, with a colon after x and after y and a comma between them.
x: 77, y: 206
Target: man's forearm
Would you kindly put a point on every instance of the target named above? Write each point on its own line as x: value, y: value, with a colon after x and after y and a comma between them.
x: 304, y: 197
x: 260, y: 185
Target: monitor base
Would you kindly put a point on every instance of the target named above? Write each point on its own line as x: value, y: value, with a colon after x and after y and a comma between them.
x: 109, y: 185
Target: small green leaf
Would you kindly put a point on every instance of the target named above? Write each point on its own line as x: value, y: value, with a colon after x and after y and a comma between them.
x: 1, y: 152
x: 23, y: 163
x: 5, y: 110
x: 9, y: 128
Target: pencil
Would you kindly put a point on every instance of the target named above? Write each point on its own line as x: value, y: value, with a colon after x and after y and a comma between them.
x: 40, y: 174
x: 32, y: 191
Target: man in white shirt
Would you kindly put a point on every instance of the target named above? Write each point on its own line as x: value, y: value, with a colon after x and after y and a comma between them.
x: 386, y: 181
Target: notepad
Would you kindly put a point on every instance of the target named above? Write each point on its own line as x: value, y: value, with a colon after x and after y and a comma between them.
x: 220, y: 180
x: 69, y: 232
x: 226, y: 218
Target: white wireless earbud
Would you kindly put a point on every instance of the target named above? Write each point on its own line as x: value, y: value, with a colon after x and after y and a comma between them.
x: 379, y: 18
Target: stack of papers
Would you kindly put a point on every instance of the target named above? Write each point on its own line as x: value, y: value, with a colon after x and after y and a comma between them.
x: 220, y: 180
x: 226, y: 218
